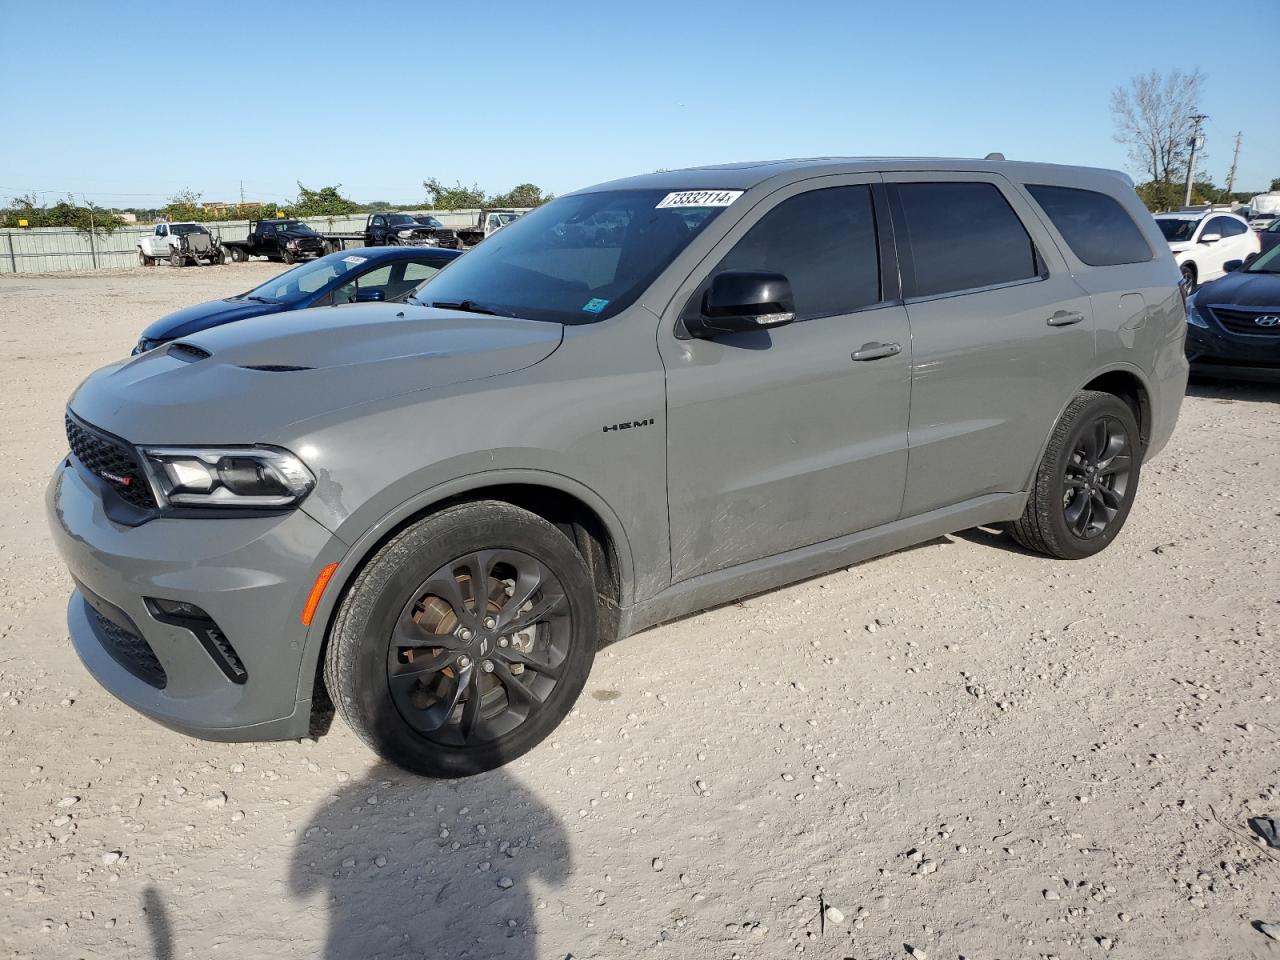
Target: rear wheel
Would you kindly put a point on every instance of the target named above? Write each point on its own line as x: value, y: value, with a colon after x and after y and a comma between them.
x: 1189, y: 277
x: 464, y: 641
x: 1086, y: 481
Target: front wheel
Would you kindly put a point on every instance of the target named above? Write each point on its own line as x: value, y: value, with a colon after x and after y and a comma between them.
x: 464, y: 641
x: 1086, y: 481
x: 175, y: 258
x: 143, y: 259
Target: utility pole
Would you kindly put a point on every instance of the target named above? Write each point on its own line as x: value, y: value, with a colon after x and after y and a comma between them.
x: 1235, y: 158
x: 242, y: 187
x: 1196, y: 142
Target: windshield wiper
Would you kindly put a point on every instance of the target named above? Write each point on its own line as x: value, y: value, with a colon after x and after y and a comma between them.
x: 469, y: 306
x: 262, y: 299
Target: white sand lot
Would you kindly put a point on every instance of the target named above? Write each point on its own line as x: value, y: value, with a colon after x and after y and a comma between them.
x: 962, y: 747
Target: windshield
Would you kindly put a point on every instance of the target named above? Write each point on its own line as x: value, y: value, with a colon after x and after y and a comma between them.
x: 290, y: 226
x: 182, y: 229
x: 578, y: 259
x: 1269, y: 262
x: 505, y: 218
x: 305, y: 279
x: 1176, y: 228
x: 396, y: 219
x: 429, y: 221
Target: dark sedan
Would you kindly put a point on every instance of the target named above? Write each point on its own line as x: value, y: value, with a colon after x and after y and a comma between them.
x: 1269, y: 238
x: 1233, y: 323
x: 364, y: 275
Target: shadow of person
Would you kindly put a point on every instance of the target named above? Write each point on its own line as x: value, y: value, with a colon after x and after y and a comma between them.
x: 158, y: 927
x: 430, y: 868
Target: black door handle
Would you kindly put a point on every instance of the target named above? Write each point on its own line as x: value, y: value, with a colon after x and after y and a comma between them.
x: 876, y: 351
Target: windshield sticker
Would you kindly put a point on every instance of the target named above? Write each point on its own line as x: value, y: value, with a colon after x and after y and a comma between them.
x: 699, y: 198
x: 594, y: 305
x: 355, y: 260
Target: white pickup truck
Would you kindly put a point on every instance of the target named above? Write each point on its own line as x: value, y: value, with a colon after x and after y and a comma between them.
x: 180, y: 244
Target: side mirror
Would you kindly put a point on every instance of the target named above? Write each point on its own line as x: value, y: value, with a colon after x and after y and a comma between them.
x: 738, y: 301
x: 1232, y: 265
x: 1210, y: 237
x: 370, y: 296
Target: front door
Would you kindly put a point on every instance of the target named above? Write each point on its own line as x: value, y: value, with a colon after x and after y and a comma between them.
x: 777, y: 439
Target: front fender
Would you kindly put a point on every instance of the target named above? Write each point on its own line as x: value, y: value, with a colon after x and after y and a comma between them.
x: 363, y: 544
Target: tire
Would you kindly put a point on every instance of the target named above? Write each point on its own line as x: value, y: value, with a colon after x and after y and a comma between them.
x: 175, y: 258
x: 1189, y: 277
x: 239, y: 255
x: 144, y: 260
x: 419, y: 581
x: 1086, y: 481
x: 287, y: 256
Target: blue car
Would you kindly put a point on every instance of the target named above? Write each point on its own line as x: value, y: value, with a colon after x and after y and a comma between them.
x: 364, y: 275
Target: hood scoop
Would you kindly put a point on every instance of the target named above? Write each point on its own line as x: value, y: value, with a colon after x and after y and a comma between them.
x: 273, y: 367
x: 188, y: 352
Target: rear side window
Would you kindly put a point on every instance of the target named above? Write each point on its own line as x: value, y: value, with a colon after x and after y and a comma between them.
x: 961, y: 236
x: 824, y: 242
x: 1095, y: 226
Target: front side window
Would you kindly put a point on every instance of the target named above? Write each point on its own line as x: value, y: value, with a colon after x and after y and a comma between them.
x: 1231, y: 227
x: 824, y: 242
x: 1095, y: 226
x: 577, y: 259
x: 1219, y: 225
x: 961, y: 236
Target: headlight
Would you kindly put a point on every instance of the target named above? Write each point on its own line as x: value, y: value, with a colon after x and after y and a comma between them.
x: 143, y: 346
x: 1193, y: 316
x: 238, y: 477
x: 404, y: 233
x: 291, y: 243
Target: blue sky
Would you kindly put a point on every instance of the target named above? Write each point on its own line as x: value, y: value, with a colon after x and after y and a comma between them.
x: 129, y: 102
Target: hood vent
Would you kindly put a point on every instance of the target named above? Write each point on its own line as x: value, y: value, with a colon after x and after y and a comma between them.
x: 189, y: 352
x: 272, y: 367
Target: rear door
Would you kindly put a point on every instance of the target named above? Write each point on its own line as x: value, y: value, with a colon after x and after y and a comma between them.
x: 1001, y: 333
x: 782, y: 438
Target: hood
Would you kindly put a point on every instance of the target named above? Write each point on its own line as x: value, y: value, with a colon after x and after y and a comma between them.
x: 267, y: 372
x: 1241, y: 289
x: 202, y: 316
x: 298, y: 235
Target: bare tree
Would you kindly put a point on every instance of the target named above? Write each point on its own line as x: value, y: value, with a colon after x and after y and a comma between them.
x: 1152, y: 116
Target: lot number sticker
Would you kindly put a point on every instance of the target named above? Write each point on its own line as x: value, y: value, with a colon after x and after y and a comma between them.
x: 356, y: 260
x: 699, y: 198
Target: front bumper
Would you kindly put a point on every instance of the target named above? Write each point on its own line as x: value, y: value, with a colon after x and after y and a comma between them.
x: 1215, y: 353
x: 251, y: 575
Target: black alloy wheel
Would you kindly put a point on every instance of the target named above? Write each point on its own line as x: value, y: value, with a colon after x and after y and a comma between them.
x: 465, y: 640
x: 479, y: 648
x: 1097, y: 478
x: 1087, y: 479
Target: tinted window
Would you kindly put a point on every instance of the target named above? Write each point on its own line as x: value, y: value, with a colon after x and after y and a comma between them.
x: 824, y: 242
x: 1219, y: 225
x: 1095, y: 226
x: 961, y: 236
x: 1231, y: 227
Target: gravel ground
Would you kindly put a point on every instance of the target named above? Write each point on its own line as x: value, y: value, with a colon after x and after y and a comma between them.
x: 959, y: 750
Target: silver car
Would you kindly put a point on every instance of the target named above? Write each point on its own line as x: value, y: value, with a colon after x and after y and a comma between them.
x: 639, y: 400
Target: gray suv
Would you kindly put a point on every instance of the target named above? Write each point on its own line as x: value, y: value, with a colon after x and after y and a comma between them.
x: 640, y: 400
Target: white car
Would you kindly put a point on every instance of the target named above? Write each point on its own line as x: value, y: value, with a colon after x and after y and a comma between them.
x: 1203, y: 242
x: 166, y: 239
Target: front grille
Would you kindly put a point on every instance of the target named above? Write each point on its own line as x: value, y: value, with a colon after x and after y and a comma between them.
x: 131, y: 652
x: 1242, y: 321
x: 111, y: 461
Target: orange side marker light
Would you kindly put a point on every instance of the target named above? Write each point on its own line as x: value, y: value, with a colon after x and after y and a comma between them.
x: 317, y: 591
